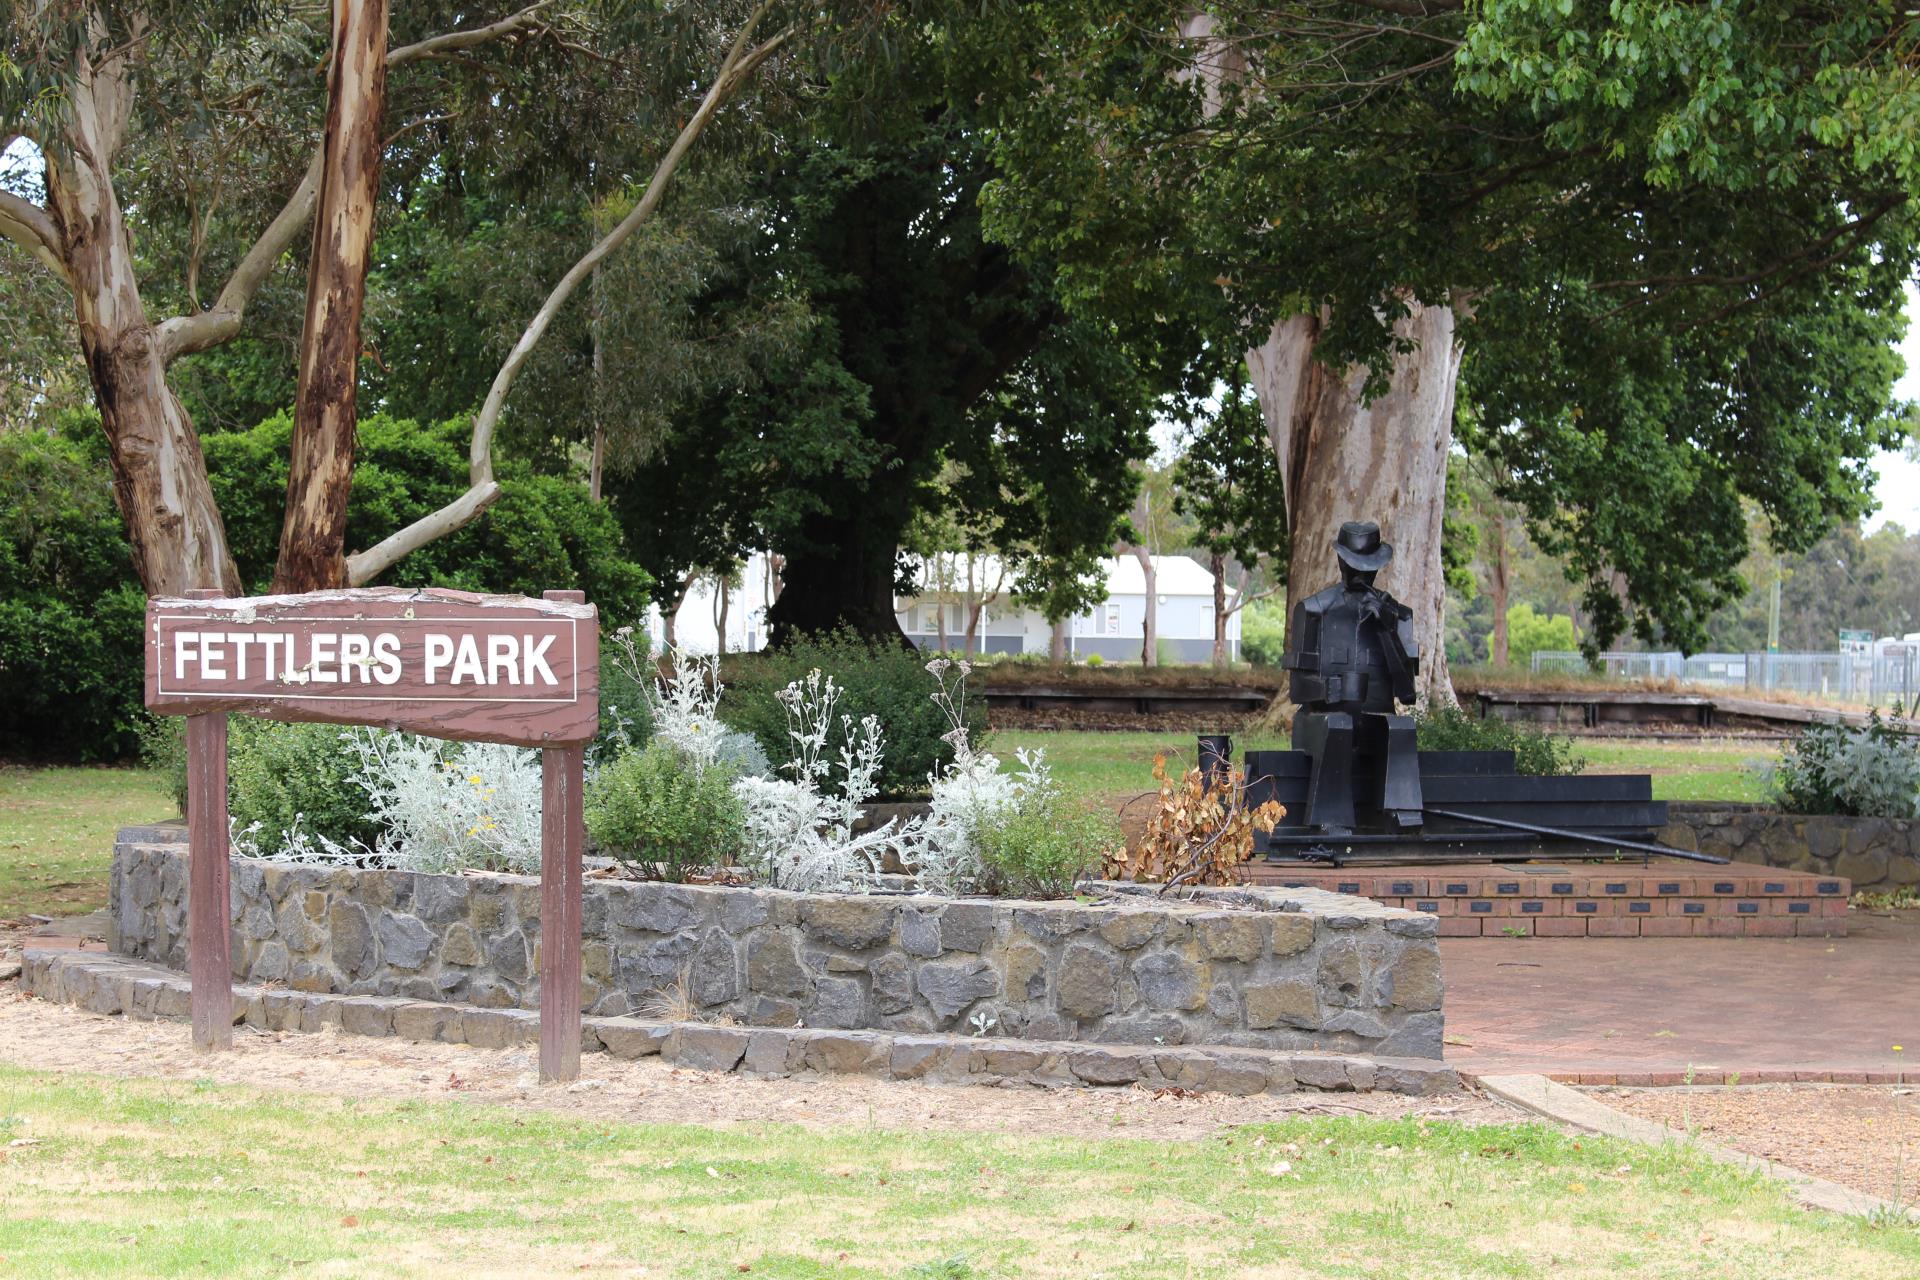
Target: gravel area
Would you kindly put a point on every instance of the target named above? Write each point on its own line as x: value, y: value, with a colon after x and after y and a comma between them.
x: 1866, y: 1137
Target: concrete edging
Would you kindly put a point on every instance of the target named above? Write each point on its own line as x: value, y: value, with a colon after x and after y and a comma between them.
x: 109, y: 984
x: 1554, y: 1101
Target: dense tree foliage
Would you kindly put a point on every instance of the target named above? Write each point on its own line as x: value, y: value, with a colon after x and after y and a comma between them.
x: 924, y: 351
x: 1676, y: 237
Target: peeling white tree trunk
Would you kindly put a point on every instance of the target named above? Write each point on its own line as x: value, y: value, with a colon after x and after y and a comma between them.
x: 1150, y: 618
x: 160, y: 475
x: 1341, y: 459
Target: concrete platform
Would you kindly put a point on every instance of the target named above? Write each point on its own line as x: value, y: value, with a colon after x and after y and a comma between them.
x: 1658, y: 1011
x: 1652, y: 898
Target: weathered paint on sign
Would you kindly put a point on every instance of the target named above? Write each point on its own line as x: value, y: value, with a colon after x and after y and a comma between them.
x: 451, y: 664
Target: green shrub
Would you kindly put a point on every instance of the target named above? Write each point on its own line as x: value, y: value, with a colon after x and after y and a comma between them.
x: 1263, y: 631
x: 887, y: 681
x: 163, y: 749
x: 1534, y: 752
x: 543, y: 533
x: 1872, y: 771
x: 1044, y: 846
x: 626, y: 710
x: 1095, y: 660
x: 71, y: 608
x: 1529, y: 631
x: 279, y: 774
x: 651, y: 809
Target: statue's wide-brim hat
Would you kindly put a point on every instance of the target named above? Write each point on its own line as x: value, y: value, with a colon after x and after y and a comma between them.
x: 1359, y: 546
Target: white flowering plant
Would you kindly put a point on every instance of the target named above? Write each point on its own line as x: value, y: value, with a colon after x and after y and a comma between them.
x: 970, y: 794
x: 438, y: 806
x: 799, y: 834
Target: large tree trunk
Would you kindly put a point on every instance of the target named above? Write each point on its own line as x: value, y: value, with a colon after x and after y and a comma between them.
x: 1342, y: 459
x: 313, y: 532
x: 848, y: 584
x: 1057, y: 644
x: 160, y: 475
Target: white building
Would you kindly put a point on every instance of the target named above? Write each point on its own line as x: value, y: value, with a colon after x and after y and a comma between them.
x: 696, y: 625
x: 1113, y: 629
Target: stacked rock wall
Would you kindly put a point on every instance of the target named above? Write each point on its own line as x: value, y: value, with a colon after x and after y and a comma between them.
x: 1877, y: 854
x: 1260, y: 968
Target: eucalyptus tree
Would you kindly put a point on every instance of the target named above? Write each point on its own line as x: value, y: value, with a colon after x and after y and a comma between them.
x: 97, y: 86
x: 1386, y: 193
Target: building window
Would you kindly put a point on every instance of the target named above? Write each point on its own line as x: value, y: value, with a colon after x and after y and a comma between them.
x: 930, y: 618
x: 1113, y: 619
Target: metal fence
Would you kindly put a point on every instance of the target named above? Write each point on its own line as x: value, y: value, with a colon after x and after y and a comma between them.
x: 1892, y: 673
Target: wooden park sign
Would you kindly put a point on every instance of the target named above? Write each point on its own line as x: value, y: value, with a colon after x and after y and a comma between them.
x: 449, y: 664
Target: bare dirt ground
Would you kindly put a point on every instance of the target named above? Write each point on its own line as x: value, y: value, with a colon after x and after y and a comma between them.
x: 1862, y: 1136
x: 47, y: 1037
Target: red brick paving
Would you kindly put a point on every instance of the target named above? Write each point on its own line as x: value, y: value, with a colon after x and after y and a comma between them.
x: 1644, y: 1010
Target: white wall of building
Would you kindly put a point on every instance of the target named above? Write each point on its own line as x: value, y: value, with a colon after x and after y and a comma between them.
x: 1112, y: 629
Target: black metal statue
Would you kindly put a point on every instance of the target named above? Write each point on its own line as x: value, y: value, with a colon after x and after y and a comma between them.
x: 1352, y: 654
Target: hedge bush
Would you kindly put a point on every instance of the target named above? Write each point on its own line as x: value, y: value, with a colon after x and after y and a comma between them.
x: 70, y: 606
x: 1534, y: 752
x: 278, y: 774
x: 887, y: 681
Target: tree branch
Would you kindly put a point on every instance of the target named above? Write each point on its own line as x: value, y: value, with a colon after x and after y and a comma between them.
x: 27, y: 225
x: 453, y: 41
x: 183, y: 335
x: 740, y: 63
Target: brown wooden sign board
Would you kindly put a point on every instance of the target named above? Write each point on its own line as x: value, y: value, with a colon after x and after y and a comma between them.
x: 448, y: 664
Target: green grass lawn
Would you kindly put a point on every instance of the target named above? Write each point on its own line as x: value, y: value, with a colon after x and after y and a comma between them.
x: 56, y: 833
x: 1109, y: 764
x: 1114, y: 764
x: 1703, y: 769
x: 156, y: 1178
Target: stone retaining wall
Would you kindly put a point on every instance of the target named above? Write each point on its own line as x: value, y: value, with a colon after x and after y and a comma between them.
x: 112, y: 985
x: 1259, y: 968
x: 1876, y: 854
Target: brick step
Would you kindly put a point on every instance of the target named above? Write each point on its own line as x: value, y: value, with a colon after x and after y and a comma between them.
x: 1661, y: 899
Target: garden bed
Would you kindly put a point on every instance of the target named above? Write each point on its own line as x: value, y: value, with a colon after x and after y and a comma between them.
x: 1253, y: 968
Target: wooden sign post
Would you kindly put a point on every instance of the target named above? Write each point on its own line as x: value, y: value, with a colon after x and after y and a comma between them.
x: 449, y: 664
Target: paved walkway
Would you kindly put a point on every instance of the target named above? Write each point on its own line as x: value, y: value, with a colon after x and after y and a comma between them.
x: 1646, y: 1010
